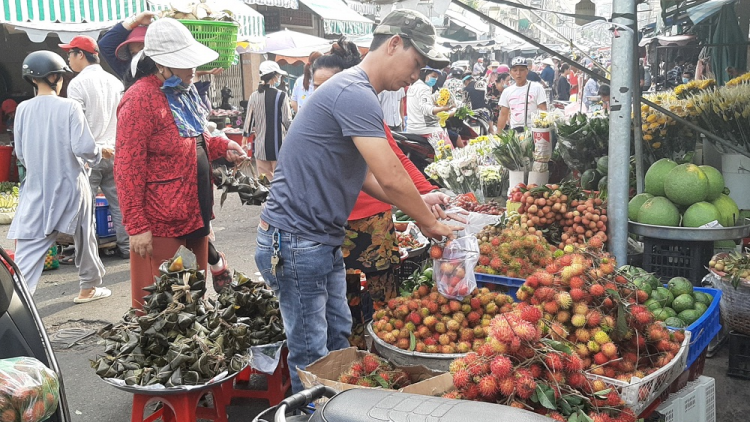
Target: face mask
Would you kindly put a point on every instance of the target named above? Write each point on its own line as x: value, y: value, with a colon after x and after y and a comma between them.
x: 431, y: 82
x: 175, y: 84
x: 685, y: 80
x: 277, y: 83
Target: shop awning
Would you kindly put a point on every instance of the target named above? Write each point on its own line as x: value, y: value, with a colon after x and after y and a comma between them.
x: 66, y: 18
x: 287, y: 4
x: 704, y: 11
x: 470, y: 23
x: 338, y: 18
x: 252, y: 27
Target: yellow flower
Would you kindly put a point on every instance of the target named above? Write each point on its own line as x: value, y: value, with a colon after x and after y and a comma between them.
x: 651, y: 118
x: 647, y: 137
x: 656, y: 145
x: 443, y: 96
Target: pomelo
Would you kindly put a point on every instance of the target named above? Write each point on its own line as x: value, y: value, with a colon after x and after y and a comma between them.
x: 689, y: 316
x: 659, y: 211
x: 664, y: 313
x: 652, y: 304
x: 666, y: 297
x: 635, y: 204
x: 654, y: 179
x: 728, y: 210
x: 686, y: 184
x: 715, y: 182
x: 699, y: 214
x: 680, y: 286
x: 701, y: 308
x: 703, y: 298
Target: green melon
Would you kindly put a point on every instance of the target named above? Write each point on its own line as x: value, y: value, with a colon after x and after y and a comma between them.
x: 683, y: 303
x: 654, y: 179
x: 686, y: 184
x: 701, y: 307
x: 675, y: 322
x: 635, y: 204
x: 715, y: 182
x: 699, y: 214
x: 689, y: 316
x: 680, y: 286
x: 659, y: 211
x: 589, y: 179
x: 602, y: 165
x: 703, y: 298
x: 729, y: 213
x: 602, y: 185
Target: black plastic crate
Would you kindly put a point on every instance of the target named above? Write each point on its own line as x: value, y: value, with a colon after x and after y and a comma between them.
x: 670, y: 258
x: 739, y: 355
x: 407, y: 267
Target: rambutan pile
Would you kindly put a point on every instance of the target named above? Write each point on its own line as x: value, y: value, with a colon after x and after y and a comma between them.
x: 374, y: 371
x: 511, y: 252
x: 428, y: 322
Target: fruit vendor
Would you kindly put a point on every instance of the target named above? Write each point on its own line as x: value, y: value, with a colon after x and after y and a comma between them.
x: 117, y: 47
x: 519, y: 102
x: 162, y: 166
x: 370, y: 244
x: 53, y: 142
x: 336, y: 147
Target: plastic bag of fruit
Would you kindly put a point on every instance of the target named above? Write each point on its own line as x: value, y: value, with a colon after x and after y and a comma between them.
x: 453, y: 273
x: 29, y: 391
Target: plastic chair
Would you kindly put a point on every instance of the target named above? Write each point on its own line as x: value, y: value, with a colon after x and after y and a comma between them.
x: 277, y: 384
x: 182, y: 406
x: 22, y: 332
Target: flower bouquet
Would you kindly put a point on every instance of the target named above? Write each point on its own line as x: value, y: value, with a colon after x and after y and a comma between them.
x: 725, y: 112
x: 582, y: 140
x: 458, y: 172
x: 662, y: 136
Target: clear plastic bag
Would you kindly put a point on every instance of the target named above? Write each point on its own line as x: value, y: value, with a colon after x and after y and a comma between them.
x: 29, y: 391
x: 454, y: 272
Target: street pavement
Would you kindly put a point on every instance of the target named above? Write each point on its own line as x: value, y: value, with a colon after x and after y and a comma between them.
x: 91, y: 400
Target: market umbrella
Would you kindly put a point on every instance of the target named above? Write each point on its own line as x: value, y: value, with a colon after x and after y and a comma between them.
x: 733, y: 52
x: 286, y: 39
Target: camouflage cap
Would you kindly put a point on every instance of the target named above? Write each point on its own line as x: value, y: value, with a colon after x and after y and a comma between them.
x: 415, y: 27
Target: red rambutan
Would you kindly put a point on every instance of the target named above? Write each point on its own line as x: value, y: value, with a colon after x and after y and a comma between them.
x: 501, y: 367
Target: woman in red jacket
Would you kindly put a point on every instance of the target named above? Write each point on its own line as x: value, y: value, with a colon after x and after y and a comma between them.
x: 370, y: 246
x: 162, y: 165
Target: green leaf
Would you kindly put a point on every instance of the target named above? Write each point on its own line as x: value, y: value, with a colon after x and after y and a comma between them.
x: 574, y: 400
x: 383, y: 383
x: 583, y: 417
x: 566, y: 408
x: 573, y: 417
x: 603, y: 393
x: 559, y: 346
x: 412, y: 341
x: 543, y: 399
x: 534, y: 397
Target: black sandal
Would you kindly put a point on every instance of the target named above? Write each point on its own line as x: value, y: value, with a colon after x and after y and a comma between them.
x: 67, y: 259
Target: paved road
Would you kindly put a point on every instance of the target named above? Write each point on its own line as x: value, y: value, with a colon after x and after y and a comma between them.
x: 93, y: 401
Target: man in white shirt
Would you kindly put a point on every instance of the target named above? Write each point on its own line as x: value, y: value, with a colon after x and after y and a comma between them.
x: 393, y: 111
x: 99, y: 93
x: 519, y: 102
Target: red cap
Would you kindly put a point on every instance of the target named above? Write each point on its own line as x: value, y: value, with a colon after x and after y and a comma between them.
x: 83, y: 43
x: 138, y: 34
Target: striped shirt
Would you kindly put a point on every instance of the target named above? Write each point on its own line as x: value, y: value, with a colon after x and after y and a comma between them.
x: 268, y: 116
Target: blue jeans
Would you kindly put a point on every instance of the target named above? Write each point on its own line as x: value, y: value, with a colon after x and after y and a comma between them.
x: 311, y: 287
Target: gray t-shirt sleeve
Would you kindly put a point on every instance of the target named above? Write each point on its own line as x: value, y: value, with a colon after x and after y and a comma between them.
x: 358, y: 112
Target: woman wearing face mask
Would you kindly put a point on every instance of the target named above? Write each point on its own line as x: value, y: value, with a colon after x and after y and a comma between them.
x: 420, y: 105
x: 493, y: 97
x: 162, y: 165
x: 268, y: 117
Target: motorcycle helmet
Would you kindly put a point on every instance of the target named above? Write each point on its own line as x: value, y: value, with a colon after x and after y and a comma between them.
x: 41, y: 64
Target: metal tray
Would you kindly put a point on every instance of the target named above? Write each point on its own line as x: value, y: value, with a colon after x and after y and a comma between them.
x: 436, y: 361
x: 690, y: 233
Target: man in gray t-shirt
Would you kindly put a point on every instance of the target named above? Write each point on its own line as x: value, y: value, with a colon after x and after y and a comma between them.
x: 336, y: 147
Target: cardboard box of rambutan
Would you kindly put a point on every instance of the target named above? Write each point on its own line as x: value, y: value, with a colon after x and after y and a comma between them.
x: 329, y: 368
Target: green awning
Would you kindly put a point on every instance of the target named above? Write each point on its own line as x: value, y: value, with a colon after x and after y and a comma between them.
x: 69, y: 11
x: 338, y: 18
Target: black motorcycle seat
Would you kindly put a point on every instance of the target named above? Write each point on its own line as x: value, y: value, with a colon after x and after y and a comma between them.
x: 371, y: 405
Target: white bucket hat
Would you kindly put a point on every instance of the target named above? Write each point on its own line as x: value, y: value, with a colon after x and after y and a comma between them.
x: 170, y: 44
x: 270, y: 66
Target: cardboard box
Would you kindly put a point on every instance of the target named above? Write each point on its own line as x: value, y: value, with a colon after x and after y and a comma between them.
x: 327, y: 370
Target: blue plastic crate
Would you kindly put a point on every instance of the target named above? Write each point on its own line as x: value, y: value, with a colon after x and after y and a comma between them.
x: 706, y: 327
x: 104, y: 225
x: 511, y: 283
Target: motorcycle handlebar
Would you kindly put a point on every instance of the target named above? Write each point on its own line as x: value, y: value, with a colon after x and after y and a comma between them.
x: 301, y: 399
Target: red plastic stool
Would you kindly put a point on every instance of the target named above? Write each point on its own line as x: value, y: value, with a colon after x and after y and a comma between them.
x: 278, y: 384
x: 182, y: 406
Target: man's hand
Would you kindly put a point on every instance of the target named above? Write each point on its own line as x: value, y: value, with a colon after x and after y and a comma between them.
x: 235, y: 153
x: 438, y: 231
x: 142, y: 244
x: 143, y: 18
x: 435, y: 202
x: 107, y: 153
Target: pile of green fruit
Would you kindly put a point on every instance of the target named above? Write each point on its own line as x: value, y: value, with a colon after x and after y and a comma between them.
x: 683, y: 195
x: 677, y: 304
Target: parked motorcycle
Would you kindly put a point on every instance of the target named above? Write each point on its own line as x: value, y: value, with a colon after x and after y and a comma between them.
x: 371, y: 405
